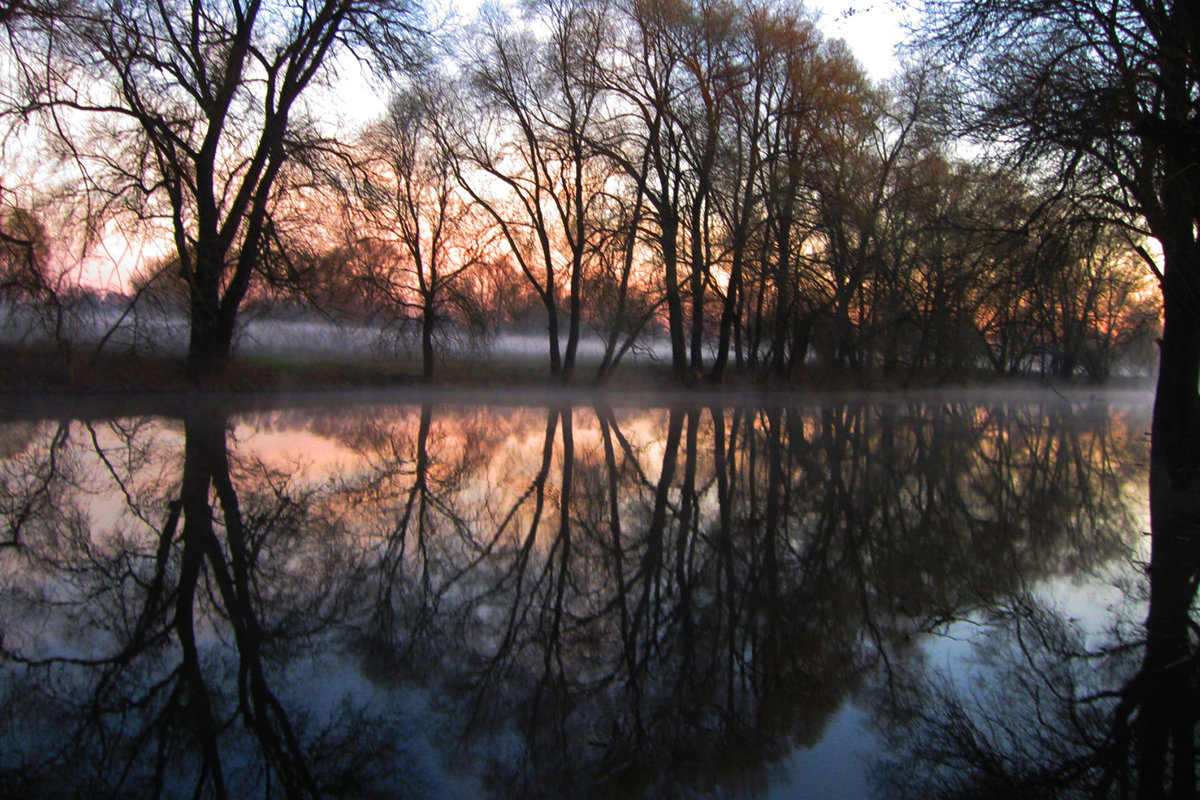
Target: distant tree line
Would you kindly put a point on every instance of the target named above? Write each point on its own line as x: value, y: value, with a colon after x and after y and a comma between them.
x: 710, y: 171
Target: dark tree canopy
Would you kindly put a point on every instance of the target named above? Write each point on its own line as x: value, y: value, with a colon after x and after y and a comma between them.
x: 1107, y: 94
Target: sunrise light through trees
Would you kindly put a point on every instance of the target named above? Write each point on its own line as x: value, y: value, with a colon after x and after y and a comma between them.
x: 722, y: 178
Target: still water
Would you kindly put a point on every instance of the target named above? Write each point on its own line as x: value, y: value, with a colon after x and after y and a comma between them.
x: 569, y: 596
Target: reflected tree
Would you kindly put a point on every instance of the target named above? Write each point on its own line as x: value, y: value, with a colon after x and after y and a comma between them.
x: 665, y: 636
x: 147, y: 658
x: 1031, y: 717
x: 582, y: 601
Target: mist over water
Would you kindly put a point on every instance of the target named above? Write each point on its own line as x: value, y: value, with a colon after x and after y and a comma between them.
x: 299, y: 336
x: 438, y: 596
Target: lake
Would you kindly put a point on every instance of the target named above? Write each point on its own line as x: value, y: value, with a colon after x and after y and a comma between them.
x: 570, y: 594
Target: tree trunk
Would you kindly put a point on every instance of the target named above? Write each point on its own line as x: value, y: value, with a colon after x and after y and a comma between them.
x: 784, y: 298
x: 427, y: 354
x: 729, y: 308
x: 209, y: 345
x: 1166, y: 722
x: 551, y: 304
x: 670, y: 256
x: 575, y: 310
x: 698, y: 279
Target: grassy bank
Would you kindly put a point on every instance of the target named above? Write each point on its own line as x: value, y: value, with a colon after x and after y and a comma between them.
x: 40, y: 371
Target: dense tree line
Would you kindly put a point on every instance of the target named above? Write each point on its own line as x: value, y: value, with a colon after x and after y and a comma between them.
x: 723, y: 174
x: 714, y: 172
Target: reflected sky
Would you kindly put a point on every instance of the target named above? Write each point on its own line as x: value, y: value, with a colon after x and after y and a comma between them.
x: 493, y: 600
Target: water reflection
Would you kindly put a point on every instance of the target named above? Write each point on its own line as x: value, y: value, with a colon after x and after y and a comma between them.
x: 556, y: 601
x: 1040, y: 711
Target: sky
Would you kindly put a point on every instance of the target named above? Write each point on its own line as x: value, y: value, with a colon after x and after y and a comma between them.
x: 872, y: 29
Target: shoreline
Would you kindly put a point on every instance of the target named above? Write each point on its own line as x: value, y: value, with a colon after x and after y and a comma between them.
x: 177, y: 403
x: 34, y: 385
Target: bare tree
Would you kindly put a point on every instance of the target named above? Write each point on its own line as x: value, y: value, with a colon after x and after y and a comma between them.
x: 187, y: 114
x: 531, y: 165
x: 40, y: 286
x: 413, y: 199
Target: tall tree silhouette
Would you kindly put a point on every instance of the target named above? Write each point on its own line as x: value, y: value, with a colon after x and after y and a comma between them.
x: 191, y: 115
